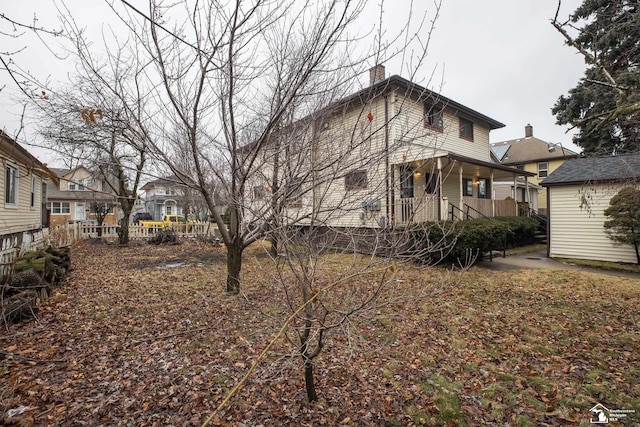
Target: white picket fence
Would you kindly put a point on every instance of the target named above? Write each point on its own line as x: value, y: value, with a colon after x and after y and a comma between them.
x: 11, y: 247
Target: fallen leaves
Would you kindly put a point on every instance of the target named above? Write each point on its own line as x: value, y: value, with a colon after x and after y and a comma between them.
x: 113, y: 347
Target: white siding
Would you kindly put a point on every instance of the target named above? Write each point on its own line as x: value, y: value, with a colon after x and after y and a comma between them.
x: 22, y: 217
x: 578, y: 232
x: 408, y: 127
x: 354, y: 139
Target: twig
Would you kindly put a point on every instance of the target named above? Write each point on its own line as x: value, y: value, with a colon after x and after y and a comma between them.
x: 17, y: 334
x: 9, y: 356
x: 162, y: 337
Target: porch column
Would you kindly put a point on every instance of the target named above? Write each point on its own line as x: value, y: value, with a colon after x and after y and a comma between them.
x: 527, y: 198
x: 492, y: 195
x: 515, y: 191
x: 461, y: 205
x: 440, y: 202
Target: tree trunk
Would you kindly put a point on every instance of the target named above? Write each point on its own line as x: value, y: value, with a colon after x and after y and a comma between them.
x: 308, y: 381
x: 234, y: 265
x: 123, y: 233
x: 273, y: 249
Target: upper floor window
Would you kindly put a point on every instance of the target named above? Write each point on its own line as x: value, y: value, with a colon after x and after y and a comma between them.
x: 356, y: 180
x: 543, y: 169
x: 466, y: 129
x: 11, y: 186
x: 433, y: 117
x: 520, y: 167
x: 77, y: 185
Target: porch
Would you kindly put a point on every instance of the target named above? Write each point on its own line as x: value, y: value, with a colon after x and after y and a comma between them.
x: 449, y: 187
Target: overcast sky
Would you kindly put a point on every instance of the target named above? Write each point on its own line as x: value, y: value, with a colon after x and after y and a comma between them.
x: 500, y: 57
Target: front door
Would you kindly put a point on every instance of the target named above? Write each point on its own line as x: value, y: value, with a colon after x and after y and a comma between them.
x: 80, y: 212
x: 406, y: 193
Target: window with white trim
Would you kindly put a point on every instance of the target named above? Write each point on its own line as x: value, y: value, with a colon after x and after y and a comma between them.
x: 11, y: 186
x: 77, y: 185
x: 60, y: 208
x: 543, y: 169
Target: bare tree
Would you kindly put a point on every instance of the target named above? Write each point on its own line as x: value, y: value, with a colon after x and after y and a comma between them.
x: 88, y: 125
x: 101, y: 208
x: 219, y: 84
x: 240, y: 73
x: 15, y: 29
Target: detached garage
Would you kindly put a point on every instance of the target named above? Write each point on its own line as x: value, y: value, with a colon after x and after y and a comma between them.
x: 578, y: 194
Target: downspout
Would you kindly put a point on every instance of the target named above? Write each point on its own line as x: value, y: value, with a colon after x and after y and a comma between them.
x: 390, y: 220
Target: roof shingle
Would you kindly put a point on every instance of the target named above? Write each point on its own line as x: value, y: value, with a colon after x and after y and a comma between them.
x: 596, y: 169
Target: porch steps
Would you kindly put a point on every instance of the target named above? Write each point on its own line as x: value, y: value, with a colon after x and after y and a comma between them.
x: 540, y: 238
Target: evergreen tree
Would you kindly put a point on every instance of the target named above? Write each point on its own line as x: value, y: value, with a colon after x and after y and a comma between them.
x: 605, y: 105
x: 624, y: 225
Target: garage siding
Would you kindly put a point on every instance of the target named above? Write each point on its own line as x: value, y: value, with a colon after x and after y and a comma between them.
x: 577, y: 224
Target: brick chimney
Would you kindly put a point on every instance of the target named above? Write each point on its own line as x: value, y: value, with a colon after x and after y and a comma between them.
x: 528, y: 131
x: 376, y: 74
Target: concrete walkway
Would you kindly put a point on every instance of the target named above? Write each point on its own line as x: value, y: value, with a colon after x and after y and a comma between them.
x: 539, y: 260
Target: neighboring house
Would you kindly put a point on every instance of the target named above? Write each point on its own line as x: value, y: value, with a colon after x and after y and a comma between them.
x: 166, y: 196
x: 406, y: 155
x: 75, y: 197
x: 23, y: 187
x: 534, y: 155
x: 578, y: 192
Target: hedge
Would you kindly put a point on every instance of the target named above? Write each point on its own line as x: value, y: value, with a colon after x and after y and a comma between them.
x: 466, y: 241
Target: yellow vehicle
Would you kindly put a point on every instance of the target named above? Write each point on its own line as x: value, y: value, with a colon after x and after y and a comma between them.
x: 174, y: 221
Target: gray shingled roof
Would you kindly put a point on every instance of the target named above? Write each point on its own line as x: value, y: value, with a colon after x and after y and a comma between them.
x: 596, y: 169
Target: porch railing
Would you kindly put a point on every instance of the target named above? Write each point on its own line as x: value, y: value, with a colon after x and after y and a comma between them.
x: 417, y: 209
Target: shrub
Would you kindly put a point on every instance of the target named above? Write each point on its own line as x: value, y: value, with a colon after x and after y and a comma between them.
x: 522, y: 229
x: 461, y: 241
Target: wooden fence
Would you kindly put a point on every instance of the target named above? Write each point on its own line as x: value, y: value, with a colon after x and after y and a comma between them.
x: 15, y: 245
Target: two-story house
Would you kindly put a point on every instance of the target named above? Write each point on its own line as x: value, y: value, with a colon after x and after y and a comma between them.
x: 23, y: 190
x: 77, y: 196
x: 169, y: 195
x: 392, y: 154
x: 533, y: 155
x: 164, y: 196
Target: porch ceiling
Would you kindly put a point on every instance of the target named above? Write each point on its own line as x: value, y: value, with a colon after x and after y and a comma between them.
x: 470, y: 167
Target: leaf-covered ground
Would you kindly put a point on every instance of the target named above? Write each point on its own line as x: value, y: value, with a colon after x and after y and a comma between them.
x: 145, y: 335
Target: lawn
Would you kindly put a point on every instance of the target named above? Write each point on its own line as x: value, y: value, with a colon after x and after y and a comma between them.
x: 145, y: 335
